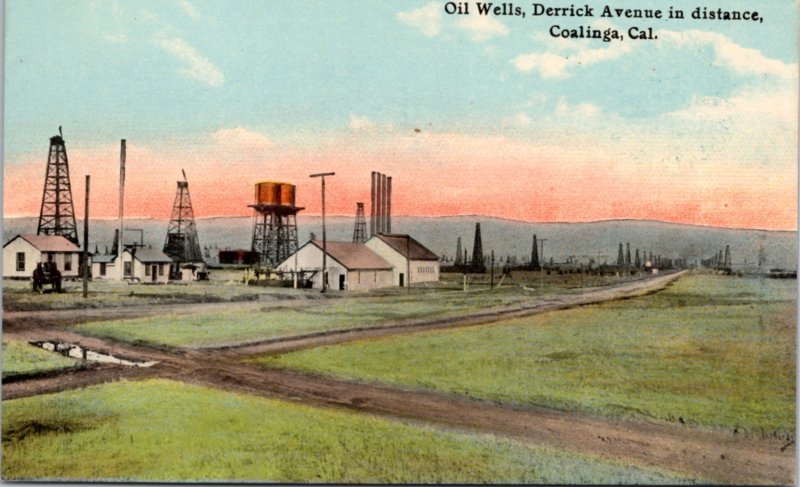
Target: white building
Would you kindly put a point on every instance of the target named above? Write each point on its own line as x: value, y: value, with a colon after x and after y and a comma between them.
x: 142, y: 264
x: 349, y: 266
x: 23, y: 252
x: 404, y: 253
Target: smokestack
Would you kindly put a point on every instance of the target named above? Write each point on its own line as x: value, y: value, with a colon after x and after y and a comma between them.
x: 383, y: 202
x: 372, y: 208
x: 121, y: 241
x: 379, y: 193
x: 389, y: 204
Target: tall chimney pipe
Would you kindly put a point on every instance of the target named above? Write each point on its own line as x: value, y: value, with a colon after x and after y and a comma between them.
x: 379, y: 193
x: 389, y: 204
x: 383, y: 202
x: 121, y: 241
x: 372, y: 208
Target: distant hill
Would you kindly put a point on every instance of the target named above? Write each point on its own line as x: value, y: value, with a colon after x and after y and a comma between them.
x: 505, y: 237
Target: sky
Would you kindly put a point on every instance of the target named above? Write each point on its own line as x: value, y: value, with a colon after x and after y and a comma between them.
x: 469, y: 114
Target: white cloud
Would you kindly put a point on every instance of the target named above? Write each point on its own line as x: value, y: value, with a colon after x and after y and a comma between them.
x: 743, y: 107
x: 518, y: 120
x: 428, y: 19
x: 552, y: 65
x: 199, y: 68
x: 189, y: 9
x: 360, y: 123
x: 242, y: 138
x: 481, y: 27
x: 740, y: 59
x: 580, y: 110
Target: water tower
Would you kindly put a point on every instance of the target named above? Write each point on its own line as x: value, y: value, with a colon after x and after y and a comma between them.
x: 274, y: 222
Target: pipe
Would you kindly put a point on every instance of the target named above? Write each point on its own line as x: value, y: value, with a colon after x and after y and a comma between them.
x: 372, y: 208
x: 389, y: 205
x: 379, y: 193
x: 121, y: 241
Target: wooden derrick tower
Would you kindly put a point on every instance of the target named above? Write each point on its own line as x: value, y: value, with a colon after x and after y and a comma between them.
x: 57, y: 215
x: 182, y: 244
x: 360, y: 229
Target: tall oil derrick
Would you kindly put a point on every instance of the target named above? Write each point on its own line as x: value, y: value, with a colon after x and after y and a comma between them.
x: 477, y: 251
x: 727, y: 263
x: 535, y: 255
x: 182, y: 244
x: 637, y: 260
x: 360, y: 229
x: 459, y: 258
x: 57, y: 215
x: 628, y: 253
x: 620, y: 256
x: 381, y: 204
x: 275, y: 223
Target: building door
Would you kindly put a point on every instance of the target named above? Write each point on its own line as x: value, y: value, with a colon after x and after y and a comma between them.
x: 341, y: 282
x: 402, y: 279
x: 154, y: 273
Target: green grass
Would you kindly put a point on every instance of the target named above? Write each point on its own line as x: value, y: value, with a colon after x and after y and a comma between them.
x: 165, y: 431
x: 713, y: 351
x: 21, y: 358
x: 217, y: 329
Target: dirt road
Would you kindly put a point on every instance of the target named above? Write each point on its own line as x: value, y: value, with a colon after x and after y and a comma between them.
x: 716, y: 456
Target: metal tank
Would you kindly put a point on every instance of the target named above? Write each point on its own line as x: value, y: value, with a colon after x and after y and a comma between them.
x: 268, y: 193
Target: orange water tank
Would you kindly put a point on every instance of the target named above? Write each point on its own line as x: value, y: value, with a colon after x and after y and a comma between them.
x: 268, y: 193
x: 287, y: 194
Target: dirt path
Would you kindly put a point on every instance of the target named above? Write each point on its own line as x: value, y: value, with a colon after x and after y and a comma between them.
x: 716, y: 456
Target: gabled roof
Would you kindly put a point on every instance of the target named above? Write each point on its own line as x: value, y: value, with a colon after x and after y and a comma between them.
x: 104, y: 258
x: 399, y: 243
x: 149, y: 254
x: 354, y: 256
x: 47, y: 243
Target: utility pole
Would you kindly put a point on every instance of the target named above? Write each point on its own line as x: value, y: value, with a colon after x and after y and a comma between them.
x: 408, y: 261
x: 86, y: 243
x: 324, y: 236
x: 121, y: 238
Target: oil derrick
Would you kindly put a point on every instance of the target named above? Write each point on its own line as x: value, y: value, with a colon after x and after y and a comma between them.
x: 535, y: 255
x: 477, y: 251
x: 458, y: 259
x: 637, y: 261
x: 181, y: 244
x: 57, y: 215
x: 360, y: 230
x: 727, y: 262
x: 620, y: 256
x: 628, y: 254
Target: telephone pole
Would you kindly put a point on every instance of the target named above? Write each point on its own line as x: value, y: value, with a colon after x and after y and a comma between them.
x: 324, y: 236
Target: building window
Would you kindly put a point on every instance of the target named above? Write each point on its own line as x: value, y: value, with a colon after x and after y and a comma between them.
x: 160, y: 269
x: 67, y: 262
x: 21, y: 261
x: 51, y: 257
x: 102, y: 268
x: 146, y: 270
x: 128, y: 268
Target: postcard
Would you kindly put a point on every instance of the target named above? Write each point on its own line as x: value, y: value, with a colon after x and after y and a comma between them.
x: 400, y: 242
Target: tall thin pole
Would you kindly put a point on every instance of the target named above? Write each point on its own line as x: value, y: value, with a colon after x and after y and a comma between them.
x: 120, y: 242
x: 324, y: 236
x: 408, y: 261
x: 86, y: 242
x: 372, y: 208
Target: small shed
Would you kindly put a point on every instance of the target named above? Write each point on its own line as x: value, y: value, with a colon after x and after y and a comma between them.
x: 146, y: 264
x: 349, y: 266
x: 24, y: 251
x: 103, y: 266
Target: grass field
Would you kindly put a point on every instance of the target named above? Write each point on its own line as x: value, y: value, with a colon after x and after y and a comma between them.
x: 710, y: 350
x: 166, y: 431
x: 20, y: 358
x: 216, y: 329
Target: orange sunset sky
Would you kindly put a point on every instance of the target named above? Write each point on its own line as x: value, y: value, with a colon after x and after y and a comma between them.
x: 483, y: 116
